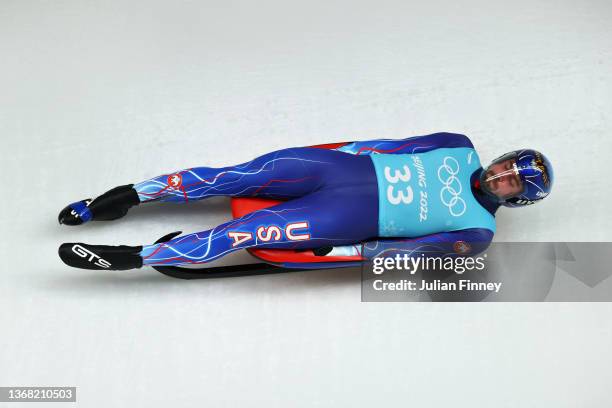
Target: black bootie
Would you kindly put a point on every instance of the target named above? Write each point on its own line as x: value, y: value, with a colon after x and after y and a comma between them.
x: 109, y: 206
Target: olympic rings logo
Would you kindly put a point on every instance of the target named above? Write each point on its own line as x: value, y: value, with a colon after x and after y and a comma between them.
x: 449, y: 194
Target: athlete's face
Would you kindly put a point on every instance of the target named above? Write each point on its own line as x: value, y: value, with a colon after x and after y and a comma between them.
x: 502, y: 179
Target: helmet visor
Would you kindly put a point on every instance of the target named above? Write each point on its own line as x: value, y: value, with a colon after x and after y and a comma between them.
x: 502, y: 178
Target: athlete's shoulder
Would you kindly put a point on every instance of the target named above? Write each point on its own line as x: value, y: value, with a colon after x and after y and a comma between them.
x: 448, y: 139
x: 409, y: 145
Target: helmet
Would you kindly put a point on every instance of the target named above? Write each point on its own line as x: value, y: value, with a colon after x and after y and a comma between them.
x: 518, y: 178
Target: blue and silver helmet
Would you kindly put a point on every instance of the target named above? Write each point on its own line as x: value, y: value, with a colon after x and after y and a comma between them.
x: 518, y: 178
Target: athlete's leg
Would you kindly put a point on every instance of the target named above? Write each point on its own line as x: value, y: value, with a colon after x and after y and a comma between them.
x: 283, y: 174
x: 323, y: 218
x: 286, y: 173
x: 316, y: 220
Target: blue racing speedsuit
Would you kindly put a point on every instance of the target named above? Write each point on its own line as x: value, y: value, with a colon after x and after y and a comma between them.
x: 370, y: 198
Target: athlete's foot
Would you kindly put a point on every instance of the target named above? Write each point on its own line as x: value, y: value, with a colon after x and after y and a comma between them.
x: 109, y: 206
x: 100, y: 257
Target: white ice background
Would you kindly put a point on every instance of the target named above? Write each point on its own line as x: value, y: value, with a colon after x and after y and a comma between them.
x: 95, y: 94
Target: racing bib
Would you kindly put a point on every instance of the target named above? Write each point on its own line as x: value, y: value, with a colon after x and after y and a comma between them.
x: 426, y: 193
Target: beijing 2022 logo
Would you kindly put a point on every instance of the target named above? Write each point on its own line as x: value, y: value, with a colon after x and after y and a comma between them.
x: 449, y: 194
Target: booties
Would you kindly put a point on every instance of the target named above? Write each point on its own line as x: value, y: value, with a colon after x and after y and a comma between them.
x: 109, y: 206
x: 101, y: 257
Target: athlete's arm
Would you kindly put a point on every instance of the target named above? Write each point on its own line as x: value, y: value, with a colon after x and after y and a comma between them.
x: 416, y: 144
x: 468, y: 242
